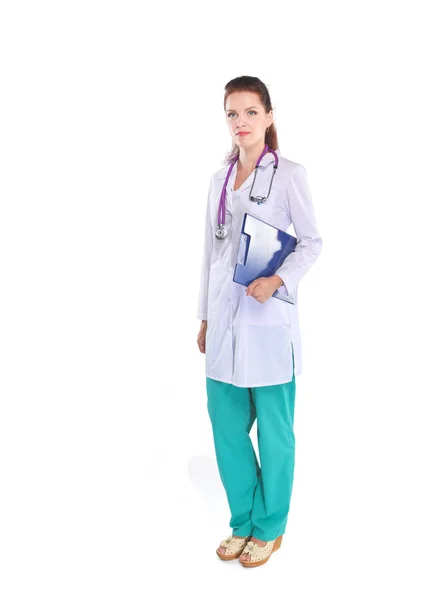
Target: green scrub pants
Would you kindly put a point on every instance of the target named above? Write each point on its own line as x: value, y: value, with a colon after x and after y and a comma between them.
x: 258, y: 495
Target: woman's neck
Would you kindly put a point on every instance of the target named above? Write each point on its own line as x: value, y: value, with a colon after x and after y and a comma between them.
x: 248, y: 157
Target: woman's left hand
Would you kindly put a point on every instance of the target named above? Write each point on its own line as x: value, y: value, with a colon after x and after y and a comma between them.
x: 263, y: 288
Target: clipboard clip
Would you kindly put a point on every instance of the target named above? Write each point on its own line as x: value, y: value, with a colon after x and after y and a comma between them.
x: 244, y: 245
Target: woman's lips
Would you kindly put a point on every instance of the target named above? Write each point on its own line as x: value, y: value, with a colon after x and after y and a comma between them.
x: 244, y: 133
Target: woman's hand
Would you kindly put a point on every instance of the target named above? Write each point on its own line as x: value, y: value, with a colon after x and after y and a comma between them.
x: 201, y: 336
x: 263, y: 288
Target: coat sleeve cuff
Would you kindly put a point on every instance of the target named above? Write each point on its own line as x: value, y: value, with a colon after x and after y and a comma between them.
x: 282, y: 289
x: 287, y: 287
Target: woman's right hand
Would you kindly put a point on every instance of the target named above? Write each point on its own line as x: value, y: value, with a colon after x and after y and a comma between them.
x: 201, y: 336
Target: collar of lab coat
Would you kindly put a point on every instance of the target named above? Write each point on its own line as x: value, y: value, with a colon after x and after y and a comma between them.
x: 266, y: 160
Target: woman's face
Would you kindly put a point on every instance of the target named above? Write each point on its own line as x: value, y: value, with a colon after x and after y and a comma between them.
x: 245, y: 113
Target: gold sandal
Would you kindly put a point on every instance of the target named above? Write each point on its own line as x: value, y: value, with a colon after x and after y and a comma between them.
x: 260, y: 555
x: 234, y: 547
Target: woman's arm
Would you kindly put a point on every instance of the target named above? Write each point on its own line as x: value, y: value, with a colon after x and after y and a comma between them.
x: 309, y: 242
x: 206, y: 261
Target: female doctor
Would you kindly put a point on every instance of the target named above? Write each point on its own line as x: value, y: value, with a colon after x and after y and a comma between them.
x: 250, y: 339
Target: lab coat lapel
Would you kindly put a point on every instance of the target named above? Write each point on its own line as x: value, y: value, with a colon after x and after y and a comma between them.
x: 266, y: 160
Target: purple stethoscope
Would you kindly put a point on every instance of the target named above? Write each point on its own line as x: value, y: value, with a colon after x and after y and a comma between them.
x: 221, y: 231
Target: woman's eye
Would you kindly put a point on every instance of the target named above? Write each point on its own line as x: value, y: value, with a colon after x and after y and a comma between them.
x: 232, y: 113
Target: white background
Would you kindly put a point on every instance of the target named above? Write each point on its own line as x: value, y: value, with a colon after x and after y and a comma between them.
x: 112, y: 124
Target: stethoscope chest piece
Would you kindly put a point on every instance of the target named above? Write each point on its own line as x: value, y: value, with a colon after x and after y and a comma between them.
x: 221, y: 232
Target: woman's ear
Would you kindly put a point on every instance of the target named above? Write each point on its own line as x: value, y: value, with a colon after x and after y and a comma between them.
x: 271, y: 118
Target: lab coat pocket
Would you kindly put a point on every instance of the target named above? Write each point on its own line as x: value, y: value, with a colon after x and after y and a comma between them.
x: 271, y: 312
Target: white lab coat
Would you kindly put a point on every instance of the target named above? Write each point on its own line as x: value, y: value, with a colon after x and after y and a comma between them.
x: 250, y: 343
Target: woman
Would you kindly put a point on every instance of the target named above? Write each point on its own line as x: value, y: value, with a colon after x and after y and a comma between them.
x: 251, y: 339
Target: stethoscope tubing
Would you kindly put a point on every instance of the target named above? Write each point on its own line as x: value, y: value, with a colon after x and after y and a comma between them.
x: 221, y: 230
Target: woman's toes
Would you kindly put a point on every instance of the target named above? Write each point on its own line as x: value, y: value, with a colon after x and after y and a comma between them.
x: 222, y: 550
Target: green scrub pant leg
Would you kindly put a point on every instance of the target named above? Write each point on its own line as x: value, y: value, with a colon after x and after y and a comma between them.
x: 258, y: 495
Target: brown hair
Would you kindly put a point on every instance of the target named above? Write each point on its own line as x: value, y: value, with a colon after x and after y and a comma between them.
x: 246, y: 83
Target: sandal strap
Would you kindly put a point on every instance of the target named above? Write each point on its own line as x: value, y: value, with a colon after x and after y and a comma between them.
x: 257, y: 552
x: 234, y: 544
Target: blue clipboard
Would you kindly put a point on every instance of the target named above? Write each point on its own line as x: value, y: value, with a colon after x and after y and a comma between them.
x: 262, y: 250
